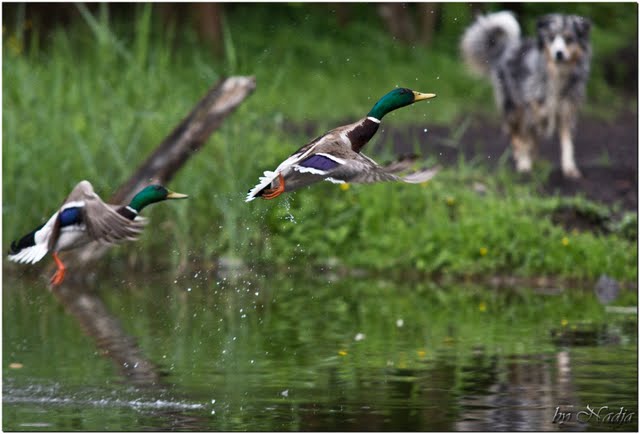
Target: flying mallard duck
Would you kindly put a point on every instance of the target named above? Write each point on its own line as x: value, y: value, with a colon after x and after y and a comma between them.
x: 82, y: 218
x: 335, y: 156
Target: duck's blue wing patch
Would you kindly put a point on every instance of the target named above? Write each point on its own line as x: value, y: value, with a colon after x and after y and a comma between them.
x: 70, y: 216
x: 319, y: 162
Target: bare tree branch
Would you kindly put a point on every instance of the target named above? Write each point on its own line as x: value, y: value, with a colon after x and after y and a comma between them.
x: 185, y: 140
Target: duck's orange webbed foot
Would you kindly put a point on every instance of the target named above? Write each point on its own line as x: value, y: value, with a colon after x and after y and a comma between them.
x: 58, y: 277
x: 272, y: 193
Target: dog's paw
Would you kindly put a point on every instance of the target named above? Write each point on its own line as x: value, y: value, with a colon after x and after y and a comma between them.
x: 571, y: 172
x: 523, y: 164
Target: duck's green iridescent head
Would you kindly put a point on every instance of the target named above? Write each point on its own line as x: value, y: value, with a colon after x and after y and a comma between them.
x: 152, y: 194
x: 395, y: 99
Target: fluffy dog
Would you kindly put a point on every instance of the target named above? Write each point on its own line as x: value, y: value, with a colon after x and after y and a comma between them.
x: 539, y: 82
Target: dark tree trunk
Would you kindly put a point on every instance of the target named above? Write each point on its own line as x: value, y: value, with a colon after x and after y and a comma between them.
x: 398, y: 21
x: 208, y: 17
x: 429, y: 14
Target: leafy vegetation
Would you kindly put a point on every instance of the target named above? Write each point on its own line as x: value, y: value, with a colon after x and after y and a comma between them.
x: 101, y: 94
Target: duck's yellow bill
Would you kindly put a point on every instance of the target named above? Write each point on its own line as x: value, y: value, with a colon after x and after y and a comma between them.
x: 174, y: 195
x: 420, y: 96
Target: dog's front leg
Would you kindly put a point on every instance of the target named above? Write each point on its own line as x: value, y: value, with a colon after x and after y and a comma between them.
x: 569, y: 168
x: 522, y: 148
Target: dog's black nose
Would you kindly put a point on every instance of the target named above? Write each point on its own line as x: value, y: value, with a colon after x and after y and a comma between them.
x: 559, y: 55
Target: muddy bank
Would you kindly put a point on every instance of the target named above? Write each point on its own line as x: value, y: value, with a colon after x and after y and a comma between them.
x: 606, y: 152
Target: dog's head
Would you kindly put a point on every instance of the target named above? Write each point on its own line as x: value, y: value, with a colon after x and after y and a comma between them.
x: 564, y: 38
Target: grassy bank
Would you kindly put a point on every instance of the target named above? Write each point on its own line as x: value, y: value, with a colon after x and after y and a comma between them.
x: 100, y: 95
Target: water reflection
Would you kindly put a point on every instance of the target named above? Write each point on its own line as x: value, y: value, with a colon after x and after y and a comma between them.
x: 520, y: 401
x: 104, y: 328
x: 286, y: 355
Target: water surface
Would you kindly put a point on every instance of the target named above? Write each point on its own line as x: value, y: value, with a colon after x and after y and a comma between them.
x: 292, y: 354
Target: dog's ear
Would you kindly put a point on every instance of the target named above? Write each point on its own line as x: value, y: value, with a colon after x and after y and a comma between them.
x: 541, y: 26
x: 582, y: 26
x: 543, y: 22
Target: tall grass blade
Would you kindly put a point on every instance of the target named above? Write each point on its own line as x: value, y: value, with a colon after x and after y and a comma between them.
x: 229, y: 47
x: 101, y: 30
x: 143, y: 32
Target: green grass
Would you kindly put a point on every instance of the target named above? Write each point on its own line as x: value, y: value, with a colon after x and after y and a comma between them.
x: 444, y: 227
x: 95, y: 100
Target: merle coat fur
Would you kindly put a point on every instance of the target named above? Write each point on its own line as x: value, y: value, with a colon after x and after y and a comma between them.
x: 539, y: 82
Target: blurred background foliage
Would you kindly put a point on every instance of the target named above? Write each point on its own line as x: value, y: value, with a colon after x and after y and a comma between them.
x: 90, y: 89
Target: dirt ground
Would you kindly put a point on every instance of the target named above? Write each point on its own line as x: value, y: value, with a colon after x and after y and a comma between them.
x: 606, y: 153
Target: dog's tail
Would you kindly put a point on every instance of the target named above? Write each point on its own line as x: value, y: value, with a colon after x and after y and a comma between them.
x: 487, y: 39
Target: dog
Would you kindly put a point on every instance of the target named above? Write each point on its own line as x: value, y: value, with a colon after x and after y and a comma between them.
x: 539, y: 82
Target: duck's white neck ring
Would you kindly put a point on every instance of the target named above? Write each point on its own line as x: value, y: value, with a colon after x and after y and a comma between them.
x: 132, y: 210
x: 371, y: 118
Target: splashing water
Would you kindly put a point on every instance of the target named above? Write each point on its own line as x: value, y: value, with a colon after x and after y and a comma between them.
x: 287, y: 207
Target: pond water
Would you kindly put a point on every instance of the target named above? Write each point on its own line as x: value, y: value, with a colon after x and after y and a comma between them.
x: 288, y: 353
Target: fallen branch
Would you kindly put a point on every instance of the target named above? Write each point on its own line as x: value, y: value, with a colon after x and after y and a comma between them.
x: 186, y: 139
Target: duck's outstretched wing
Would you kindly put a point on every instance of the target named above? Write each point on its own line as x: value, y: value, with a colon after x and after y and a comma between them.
x: 359, y: 169
x: 364, y: 170
x: 106, y: 225
x: 401, y: 164
x: 421, y: 175
x: 103, y: 222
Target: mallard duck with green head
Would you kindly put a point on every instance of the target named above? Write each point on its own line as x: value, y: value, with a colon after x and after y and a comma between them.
x: 336, y: 157
x: 82, y: 218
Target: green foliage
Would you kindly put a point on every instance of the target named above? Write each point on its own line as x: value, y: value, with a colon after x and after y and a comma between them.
x: 444, y: 227
x: 102, y: 93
